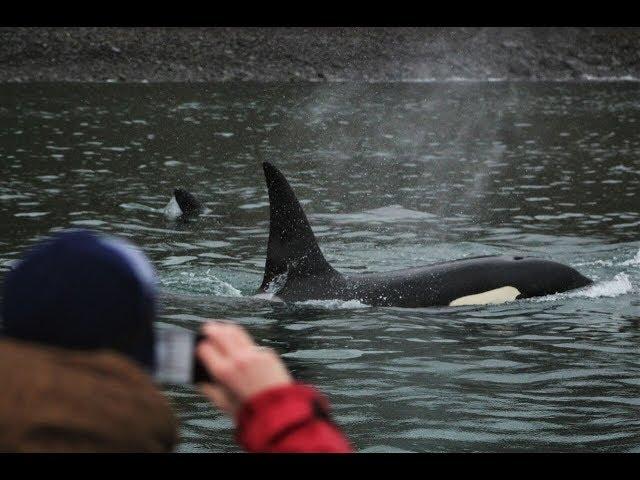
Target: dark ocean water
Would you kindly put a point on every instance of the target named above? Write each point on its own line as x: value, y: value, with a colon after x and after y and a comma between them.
x: 391, y: 176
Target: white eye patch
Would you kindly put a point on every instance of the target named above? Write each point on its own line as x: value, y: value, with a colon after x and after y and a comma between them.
x: 497, y: 295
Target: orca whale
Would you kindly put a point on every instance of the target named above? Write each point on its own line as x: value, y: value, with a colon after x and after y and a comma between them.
x: 188, y: 204
x: 183, y: 206
x: 296, y: 264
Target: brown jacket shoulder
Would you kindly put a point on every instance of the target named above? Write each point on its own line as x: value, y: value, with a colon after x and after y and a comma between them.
x: 56, y: 400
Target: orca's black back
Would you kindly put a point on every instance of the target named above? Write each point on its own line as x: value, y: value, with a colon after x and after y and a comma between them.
x: 442, y: 283
x: 293, y: 250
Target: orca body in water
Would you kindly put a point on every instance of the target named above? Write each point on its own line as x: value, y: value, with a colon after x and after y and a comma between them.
x: 189, y: 205
x: 183, y: 206
x: 295, y: 261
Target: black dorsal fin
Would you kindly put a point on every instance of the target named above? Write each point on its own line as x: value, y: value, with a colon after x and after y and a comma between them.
x: 187, y: 202
x: 292, y: 247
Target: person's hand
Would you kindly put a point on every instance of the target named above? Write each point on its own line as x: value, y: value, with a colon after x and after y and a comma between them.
x: 240, y: 367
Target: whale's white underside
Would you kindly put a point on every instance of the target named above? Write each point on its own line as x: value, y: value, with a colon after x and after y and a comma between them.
x: 497, y: 295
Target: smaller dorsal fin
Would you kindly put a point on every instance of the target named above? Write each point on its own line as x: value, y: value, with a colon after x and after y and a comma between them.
x: 292, y: 247
x: 188, y: 204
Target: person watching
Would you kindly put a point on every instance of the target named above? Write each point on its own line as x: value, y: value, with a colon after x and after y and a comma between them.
x: 77, y: 357
x: 273, y: 413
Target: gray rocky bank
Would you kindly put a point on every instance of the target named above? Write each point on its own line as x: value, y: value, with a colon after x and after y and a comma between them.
x: 215, y: 54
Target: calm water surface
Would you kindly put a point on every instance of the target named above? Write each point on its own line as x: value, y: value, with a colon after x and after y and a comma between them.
x: 391, y: 176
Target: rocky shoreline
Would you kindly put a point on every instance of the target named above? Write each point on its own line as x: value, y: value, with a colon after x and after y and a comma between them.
x: 213, y: 54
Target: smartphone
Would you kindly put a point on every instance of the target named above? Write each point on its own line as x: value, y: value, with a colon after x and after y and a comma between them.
x: 176, y: 360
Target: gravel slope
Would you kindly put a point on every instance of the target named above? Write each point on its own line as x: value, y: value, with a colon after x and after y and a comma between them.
x: 316, y: 54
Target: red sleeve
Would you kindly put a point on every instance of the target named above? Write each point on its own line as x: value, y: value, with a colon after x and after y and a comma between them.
x: 290, y: 418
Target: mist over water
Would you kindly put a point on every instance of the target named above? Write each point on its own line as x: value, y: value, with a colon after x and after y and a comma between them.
x: 391, y: 176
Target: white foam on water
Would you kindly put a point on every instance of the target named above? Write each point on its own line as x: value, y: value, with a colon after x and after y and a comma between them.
x: 601, y: 263
x: 634, y: 262
x: 204, y: 283
x: 334, y: 304
x: 619, y: 285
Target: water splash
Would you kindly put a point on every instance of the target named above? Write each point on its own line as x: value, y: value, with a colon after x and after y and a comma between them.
x: 275, y: 285
x: 599, y: 263
x: 334, y: 304
x: 619, y: 285
x: 634, y: 262
x: 200, y: 283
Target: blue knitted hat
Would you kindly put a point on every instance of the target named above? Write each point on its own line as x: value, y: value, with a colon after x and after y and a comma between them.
x: 86, y: 292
